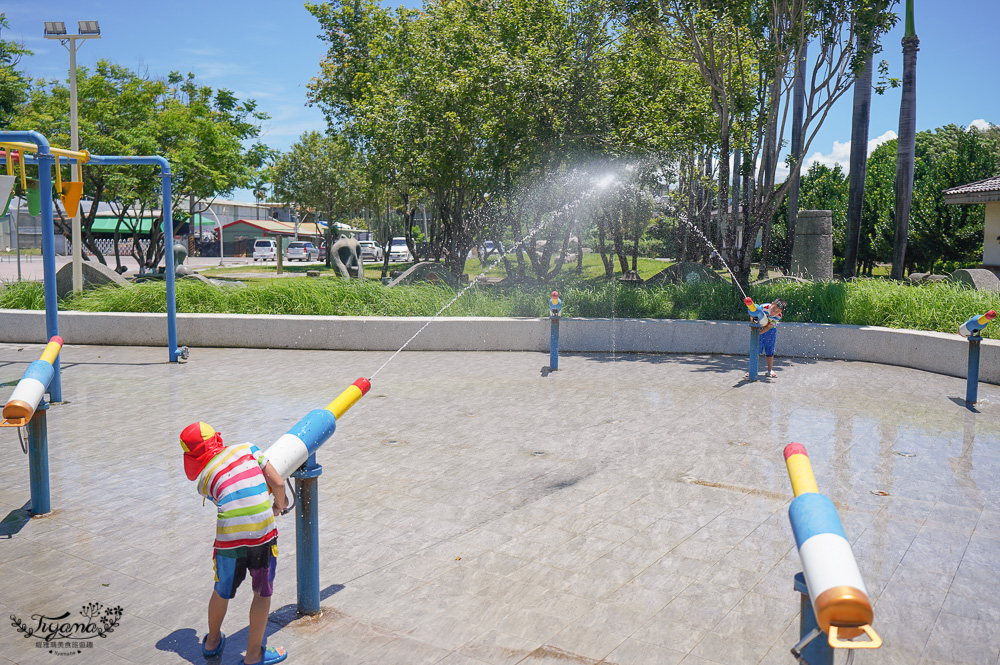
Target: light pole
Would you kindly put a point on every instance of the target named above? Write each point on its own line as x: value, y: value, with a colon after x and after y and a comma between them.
x: 87, y: 30
x: 219, y: 227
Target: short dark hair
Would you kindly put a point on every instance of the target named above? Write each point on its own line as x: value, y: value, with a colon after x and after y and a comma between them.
x: 779, y: 303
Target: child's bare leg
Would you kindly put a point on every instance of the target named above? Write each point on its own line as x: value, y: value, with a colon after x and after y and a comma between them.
x: 259, y: 609
x: 217, y: 606
x: 770, y: 363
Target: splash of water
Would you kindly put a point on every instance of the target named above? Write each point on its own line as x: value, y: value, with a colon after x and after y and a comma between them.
x: 596, y: 187
x: 708, y: 242
x: 472, y: 282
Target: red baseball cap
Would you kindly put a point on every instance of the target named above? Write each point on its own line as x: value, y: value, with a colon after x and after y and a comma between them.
x: 200, y: 443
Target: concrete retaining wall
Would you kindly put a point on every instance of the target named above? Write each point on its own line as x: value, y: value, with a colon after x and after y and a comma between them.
x: 931, y: 351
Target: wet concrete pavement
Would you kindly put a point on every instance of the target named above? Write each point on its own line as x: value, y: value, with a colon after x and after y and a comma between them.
x: 628, y: 511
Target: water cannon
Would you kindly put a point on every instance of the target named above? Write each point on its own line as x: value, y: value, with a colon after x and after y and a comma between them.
x: 974, y: 326
x: 837, y: 593
x: 757, y: 314
x: 32, y: 387
x: 555, y: 305
x: 294, y: 447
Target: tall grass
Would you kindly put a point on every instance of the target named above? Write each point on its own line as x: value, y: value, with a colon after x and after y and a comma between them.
x: 21, y: 295
x: 938, y: 306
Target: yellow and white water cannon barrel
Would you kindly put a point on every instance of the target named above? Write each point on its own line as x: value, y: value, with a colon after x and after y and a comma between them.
x: 975, y: 325
x: 32, y: 387
x: 836, y: 590
x: 294, y: 447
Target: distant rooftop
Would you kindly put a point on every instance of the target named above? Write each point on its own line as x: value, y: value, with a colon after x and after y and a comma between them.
x: 982, y: 191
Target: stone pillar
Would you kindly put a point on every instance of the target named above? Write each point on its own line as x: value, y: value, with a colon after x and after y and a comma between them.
x: 812, y: 256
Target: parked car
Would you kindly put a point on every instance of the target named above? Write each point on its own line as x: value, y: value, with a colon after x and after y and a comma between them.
x: 303, y: 251
x: 322, y: 251
x: 370, y: 251
x: 399, y: 252
x: 265, y: 249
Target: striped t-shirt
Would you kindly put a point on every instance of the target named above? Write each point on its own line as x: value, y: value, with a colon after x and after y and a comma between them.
x: 234, y: 481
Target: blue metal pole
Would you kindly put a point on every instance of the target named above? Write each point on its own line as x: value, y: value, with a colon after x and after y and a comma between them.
x: 754, y: 350
x: 554, y: 344
x: 38, y: 460
x: 168, y: 232
x: 168, y: 248
x: 45, y: 162
x: 972, y: 380
x: 307, y: 536
x: 819, y: 651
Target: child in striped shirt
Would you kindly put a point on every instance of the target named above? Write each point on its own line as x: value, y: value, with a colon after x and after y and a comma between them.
x: 237, y: 480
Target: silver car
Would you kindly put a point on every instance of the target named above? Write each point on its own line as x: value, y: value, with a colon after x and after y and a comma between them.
x: 370, y: 251
x: 303, y: 251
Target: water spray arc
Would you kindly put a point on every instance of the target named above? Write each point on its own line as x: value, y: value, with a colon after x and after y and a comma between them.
x: 294, y: 454
x: 973, y: 331
x: 27, y: 407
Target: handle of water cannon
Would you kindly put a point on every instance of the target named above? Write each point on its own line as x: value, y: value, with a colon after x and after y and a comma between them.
x: 837, y: 643
x: 289, y: 506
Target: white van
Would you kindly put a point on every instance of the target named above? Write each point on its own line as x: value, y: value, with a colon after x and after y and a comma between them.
x: 265, y: 249
x: 399, y: 252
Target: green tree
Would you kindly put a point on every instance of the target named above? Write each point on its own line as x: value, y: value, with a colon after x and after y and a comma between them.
x: 941, y: 237
x: 13, y: 84
x: 905, y: 155
x: 322, y: 173
x: 202, y: 133
x: 744, y: 52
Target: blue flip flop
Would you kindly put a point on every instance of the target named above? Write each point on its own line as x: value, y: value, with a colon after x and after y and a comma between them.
x: 217, y: 651
x: 271, y: 656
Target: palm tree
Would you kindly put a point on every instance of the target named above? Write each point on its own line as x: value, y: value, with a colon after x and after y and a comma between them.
x: 798, y: 105
x: 859, y: 164
x: 906, y: 145
x: 259, y: 187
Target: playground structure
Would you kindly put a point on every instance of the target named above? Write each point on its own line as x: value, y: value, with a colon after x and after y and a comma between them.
x: 47, y: 157
x: 972, y: 330
x: 294, y: 454
x: 26, y: 407
x: 837, y: 596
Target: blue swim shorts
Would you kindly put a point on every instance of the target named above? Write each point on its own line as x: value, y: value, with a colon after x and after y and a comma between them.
x: 767, y: 341
x: 231, y: 566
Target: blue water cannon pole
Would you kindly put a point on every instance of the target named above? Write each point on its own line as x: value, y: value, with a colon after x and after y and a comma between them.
x: 38, y: 460
x: 26, y: 407
x: 973, y: 330
x: 810, y: 649
x: 555, y: 313
x: 758, y: 318
x: 294, y: 454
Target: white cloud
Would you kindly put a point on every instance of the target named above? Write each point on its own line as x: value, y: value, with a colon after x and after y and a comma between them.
x: 840, y: 153
x: 887, y: 135
x: 980, y: 124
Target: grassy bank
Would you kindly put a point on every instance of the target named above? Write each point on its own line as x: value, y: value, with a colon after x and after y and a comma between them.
x: 940, y: 306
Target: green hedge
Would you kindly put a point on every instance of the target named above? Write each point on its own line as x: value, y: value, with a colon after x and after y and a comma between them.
x: 937, y: 306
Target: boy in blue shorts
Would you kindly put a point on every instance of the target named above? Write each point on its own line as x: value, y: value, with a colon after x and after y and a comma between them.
x: 769, y: 333
x: 237, y: 480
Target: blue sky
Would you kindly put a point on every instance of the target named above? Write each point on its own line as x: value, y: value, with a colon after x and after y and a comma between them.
x: 270, y: 50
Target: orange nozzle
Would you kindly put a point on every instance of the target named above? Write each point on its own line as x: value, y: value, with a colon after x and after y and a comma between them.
x: 748, y: 301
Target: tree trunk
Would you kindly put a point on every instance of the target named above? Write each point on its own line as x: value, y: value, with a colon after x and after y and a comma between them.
x: 798, y: 104
x: 859, y: 165
x: 905, y: 151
